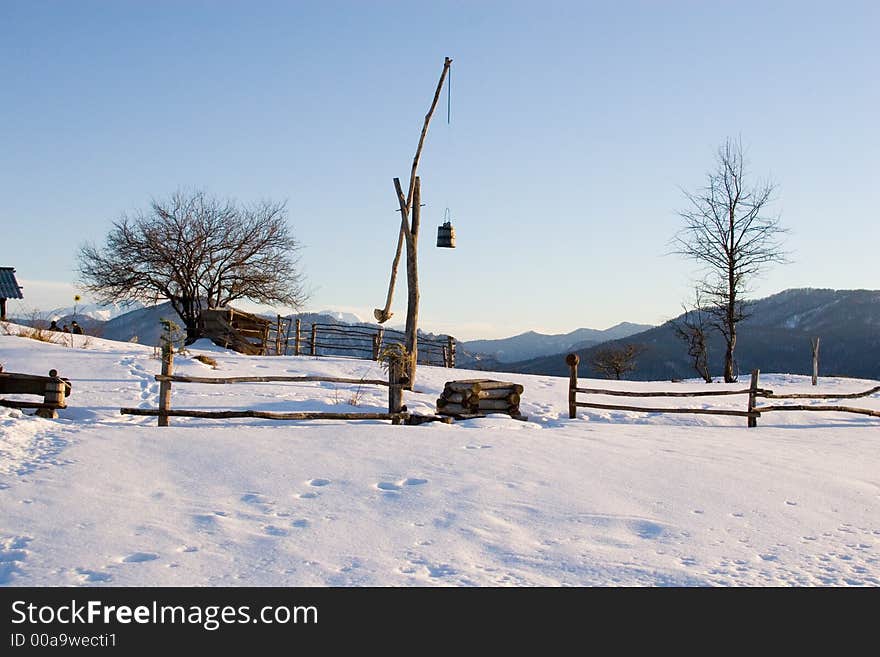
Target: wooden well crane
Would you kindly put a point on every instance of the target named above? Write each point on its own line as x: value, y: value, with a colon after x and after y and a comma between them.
x: 410, y: 214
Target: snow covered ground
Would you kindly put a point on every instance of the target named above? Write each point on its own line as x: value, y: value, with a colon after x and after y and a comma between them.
x: 609, y: 498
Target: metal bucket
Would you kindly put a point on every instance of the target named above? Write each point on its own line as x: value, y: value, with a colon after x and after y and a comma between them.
x: 446, y: 236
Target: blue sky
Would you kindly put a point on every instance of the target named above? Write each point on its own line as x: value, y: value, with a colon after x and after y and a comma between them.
x: 574, y: 126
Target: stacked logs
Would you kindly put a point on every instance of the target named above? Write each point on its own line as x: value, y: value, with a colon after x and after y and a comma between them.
x: 479, y: 397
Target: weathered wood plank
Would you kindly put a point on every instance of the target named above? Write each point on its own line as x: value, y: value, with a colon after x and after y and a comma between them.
x: 486, y: 384
x: 12, y: 403
x: 700, y: 393
x: 500, y: 393
x: 499, y: 404
x: 177, y: 378
x: 642, y: 409
x: 462, y: 386
x: 801, y: 407
x: 268, y: 415
x: 853, y: 395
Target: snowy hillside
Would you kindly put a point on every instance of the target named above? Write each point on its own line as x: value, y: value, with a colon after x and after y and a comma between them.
x: 609, y: 498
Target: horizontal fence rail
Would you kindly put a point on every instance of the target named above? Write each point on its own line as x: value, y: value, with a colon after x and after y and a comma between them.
x: 703, y: 393
x: 752, y: 412
x: 268, y: 379
x: 801, y: 407
x: 851, y: 395
x: 397, y: 412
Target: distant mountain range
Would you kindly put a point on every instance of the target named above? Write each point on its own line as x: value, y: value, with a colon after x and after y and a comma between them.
x: 532, y: 344
x: 775, y: 338
x: 100, y: 312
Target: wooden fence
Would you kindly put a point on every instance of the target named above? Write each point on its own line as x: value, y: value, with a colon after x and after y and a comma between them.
x: 53, y: 389
x: 752, y: 412
x: 396, y: 410
x: 363, y: 342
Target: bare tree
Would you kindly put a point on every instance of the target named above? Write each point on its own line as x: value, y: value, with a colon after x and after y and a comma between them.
x: 196, y: 251
x: 692, y: 327
x: 729, y: 233
x: 614, y: 362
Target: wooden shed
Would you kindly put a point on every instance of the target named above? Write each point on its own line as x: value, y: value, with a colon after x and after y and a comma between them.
x: 9, y: 289
x: 233, y: 329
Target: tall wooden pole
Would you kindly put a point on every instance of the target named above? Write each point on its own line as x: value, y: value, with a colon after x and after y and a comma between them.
x: 410, y: 212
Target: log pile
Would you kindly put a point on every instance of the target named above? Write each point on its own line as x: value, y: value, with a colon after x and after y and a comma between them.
x: 479, y: 397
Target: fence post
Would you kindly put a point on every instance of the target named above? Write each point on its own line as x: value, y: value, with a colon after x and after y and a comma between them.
x: 377, y: 343
x: 53, y: 394
x: 314, y: 339
x: 165, y: 386
x: 278, y: 337
x: 296, y: 339
x: 395, y: 387
x: 572, y: 361
x: 753, y: 395
x: 814, y: 343
x: 450, y: 346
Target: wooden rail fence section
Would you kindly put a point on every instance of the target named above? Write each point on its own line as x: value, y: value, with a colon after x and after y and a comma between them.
x: 364, y: 342
x: 52, y: 388
x: 752, y: 413
x: 396, y: 381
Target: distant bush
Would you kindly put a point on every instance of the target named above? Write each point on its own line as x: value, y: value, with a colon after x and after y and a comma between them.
x: 38, y: 330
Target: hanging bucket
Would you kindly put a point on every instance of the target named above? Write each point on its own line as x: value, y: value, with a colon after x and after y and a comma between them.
x: 446, y: 236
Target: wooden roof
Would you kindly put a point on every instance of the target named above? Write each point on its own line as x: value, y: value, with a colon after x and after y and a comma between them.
x: 9, y: 287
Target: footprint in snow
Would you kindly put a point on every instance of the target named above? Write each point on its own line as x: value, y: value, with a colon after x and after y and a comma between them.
x: 254, y: 498
x: 272, y: 530
x: 140, y: 557
x: 308, y: 496
x: 87, y: 575
x: 387, y: 486
x: 319, y: 482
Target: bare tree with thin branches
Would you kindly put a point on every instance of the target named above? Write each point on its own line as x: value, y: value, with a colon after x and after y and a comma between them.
x: 728, y: 231
x: 196, y: 251
x: 616, y: 361
x: 693, y: 326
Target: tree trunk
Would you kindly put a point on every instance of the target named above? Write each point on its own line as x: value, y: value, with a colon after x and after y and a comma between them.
x: 729, y: 374
x: 412, y: 283
x: 731, y: 319
x: 192, y: 333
